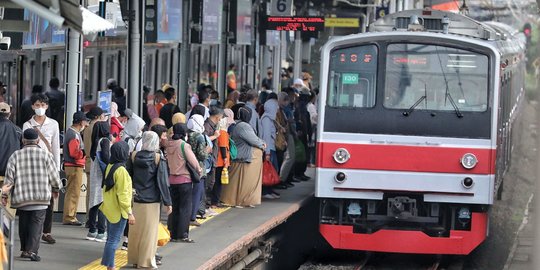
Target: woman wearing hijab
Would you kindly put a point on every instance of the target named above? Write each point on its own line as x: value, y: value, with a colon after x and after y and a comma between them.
x: 116, y: 126
x: 268, y: 134
x: 245, y: 176
x: 117, y: 196
x: 100, y: 154
x: 177, y: 118
x: 223, y: 160
x: 150, y: 181
x: 179, y: 152
x: 201, y: 149
x: 133, y: 129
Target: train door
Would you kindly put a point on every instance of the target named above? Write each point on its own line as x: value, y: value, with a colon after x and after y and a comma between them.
x: 148, y: 78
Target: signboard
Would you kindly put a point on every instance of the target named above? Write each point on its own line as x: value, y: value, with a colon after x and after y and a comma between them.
x: 211, y: 21
x: 342, y: 22
x: 273, y: 38
x: 243, y: 22
x: 42, y: 33
x: 304, y: 24
x: 105, y: 100
x: 381, y: 11
x: 349, y: 78
x: 169, y: 21
x: 281, y: 7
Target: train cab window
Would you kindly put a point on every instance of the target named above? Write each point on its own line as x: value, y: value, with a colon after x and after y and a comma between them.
x: 352, y: 81
x: 430, y: 77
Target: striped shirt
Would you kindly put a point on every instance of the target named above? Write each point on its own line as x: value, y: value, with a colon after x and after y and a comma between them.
x: 33, y: 173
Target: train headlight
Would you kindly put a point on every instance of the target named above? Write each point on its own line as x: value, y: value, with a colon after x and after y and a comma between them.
x: 341, y: 155
x: 469, y: 161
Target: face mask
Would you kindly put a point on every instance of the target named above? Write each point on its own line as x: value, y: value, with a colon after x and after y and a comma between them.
x: 40, y: 111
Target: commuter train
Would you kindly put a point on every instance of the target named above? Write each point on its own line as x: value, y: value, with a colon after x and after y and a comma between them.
x: 415, y: 136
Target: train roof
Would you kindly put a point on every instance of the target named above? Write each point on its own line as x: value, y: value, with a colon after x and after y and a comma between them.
x: 427, y: 20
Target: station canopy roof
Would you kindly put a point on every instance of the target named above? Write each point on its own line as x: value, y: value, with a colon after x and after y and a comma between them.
x: 68, y: 13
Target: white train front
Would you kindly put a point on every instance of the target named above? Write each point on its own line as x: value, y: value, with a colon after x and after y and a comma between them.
x: 415, y: 132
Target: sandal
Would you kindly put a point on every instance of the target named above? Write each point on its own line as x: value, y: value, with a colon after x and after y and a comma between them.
x: 187, y: 240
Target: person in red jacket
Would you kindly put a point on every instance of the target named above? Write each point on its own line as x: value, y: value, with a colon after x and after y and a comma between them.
x: 74, y: 161
x: 116, y: 125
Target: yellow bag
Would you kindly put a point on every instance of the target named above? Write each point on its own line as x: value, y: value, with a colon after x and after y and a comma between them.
x: 164, y: 236
x: 225, y: 176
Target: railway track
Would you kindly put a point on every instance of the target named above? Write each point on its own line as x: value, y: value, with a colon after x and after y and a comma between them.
x: 377, y: 261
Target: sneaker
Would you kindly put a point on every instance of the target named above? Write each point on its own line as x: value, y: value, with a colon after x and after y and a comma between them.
x: 211, y: 213
x: 124, y: 246
x: 276, y: 196
x: 48, y: 239
x: 268, y: 196
x: 34, y: 257
x: 91, y: 236
x: 101, y: 237
x: 296, y: 179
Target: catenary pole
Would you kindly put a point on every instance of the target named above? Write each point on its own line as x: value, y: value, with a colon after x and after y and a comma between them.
x: 222, y: 54
x: 183, y: 92
x: 135, y: 48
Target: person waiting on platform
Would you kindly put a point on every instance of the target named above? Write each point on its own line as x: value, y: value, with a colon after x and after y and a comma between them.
x: 179, y: 152
x: 245, y: 176
x: 74, y: 161
x: 133, y: 129
x: 150, y: 182
x: 166, y: 113
x: 201, y: 149
x: 32, y: 179
x: 99, y: 154
x: 10, y: 139
x: 117, y: 127
x: 49, y: 133
x: 117, y: 197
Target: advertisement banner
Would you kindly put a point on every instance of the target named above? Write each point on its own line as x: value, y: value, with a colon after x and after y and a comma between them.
x: 243, y: 22
x: 169, y: 18
x: 211, y: 24
x: 42, y: 33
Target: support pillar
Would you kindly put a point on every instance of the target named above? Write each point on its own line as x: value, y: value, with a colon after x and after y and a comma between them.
x: 297, y: 55
x: 74, y: 67
x: 222, y: 54
x: 185, y: 57
x: 135, y: 49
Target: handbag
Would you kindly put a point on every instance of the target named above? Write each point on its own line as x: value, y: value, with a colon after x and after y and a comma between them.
x: 193, y: 173
x: 164, y: 236
x: 300, y: 151
x: 270, y: 175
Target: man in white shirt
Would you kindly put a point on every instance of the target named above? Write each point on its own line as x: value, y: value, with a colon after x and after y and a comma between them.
x: 49, y: 139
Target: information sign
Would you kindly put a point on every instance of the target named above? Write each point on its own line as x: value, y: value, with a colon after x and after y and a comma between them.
x: 342, y: 22
x: 281, y: 7
x: 349, y: 78
x: 304, y: 24
x: 105, y: 100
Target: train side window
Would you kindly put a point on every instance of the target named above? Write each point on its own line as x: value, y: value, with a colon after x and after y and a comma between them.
x: 353, y: 73
x: 164, y: 69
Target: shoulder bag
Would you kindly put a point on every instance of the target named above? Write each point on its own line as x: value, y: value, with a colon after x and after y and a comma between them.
x: 193, y: 173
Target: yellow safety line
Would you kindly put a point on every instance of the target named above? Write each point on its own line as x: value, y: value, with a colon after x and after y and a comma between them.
x: 120, y: 258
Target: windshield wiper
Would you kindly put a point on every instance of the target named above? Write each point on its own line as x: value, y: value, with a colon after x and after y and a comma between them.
x: 456, y: 109
x: 411, y: 109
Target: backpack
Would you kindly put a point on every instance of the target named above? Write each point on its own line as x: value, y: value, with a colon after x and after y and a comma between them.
x: 233, y: 151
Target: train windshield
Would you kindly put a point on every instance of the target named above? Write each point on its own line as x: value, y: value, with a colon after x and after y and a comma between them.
x: 353, y: 73
x: 431, y: 77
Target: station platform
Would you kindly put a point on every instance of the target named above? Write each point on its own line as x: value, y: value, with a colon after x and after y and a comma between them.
x: 522, y: 251
x: 216, y: 240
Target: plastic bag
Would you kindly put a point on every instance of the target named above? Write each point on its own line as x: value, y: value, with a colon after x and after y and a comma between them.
x: 164, y: 236
x: 300, y: 151
x: 225, y: 176
x: 270, y: 175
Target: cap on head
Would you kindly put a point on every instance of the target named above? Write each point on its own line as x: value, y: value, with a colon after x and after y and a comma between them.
x: 79, y: 116
x: 5, y: 108
x: 30, y: 134
x: 298, y: 81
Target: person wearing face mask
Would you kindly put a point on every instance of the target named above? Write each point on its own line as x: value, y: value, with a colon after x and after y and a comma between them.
x: 49, y: 135
x: 74, y: 161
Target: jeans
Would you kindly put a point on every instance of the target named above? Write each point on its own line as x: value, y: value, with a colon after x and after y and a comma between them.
x: 198, y: 191
x: 114, y: 234
x: 30, y: 228
x: 216, y: 190
x: 96, y: 220
x: 178, y: 222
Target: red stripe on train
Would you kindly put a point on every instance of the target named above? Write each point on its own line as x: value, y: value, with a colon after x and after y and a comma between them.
x: 406, y: 158
x: 459, y: 242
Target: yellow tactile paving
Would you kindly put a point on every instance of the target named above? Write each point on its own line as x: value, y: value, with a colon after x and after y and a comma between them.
x: 120, y: 258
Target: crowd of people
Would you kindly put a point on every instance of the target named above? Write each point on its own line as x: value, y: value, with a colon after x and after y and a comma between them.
x: 184, y: 164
